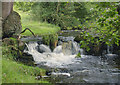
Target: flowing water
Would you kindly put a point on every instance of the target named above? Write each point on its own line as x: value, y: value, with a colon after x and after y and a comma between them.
x: 67, y: 68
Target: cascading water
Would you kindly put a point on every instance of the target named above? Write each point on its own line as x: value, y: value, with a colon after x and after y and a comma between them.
x: 57, y: 58
x: 109, y: 54
x: 87, y: 69
x: 109, y: 49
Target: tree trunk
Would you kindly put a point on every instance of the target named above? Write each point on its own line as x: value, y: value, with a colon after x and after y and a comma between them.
x: 7, y: 8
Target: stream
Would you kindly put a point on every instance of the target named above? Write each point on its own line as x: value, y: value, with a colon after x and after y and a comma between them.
x: 64, y: 67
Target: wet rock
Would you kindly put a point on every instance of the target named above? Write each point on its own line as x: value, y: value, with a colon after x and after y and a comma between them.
x: 70, y: 48
x: 27, y: 56
x: 21, y: 45
x: 38, y: 77
x: 67, y: 48
x: 26, y: 59
x: 48, y: 73
x: 78, y: 38
x: 111, y: 56
x: 43, y: 48
x: 58, y: 49
x: 12, y: 25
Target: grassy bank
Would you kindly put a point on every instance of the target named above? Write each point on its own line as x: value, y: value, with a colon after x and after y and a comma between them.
x: 39, y: 28
x: 14, y: 72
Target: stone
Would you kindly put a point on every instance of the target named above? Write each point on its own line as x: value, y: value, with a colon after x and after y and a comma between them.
x: 21, y: 45
x: 12, y: 25
x: 67, y: 48
x: 43, y: 48
x: 58, y: 49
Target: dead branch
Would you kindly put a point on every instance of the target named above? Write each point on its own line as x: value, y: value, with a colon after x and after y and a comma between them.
x: 29, y: 30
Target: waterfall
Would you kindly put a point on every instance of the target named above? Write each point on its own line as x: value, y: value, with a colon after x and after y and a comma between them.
x: 70, y: 48
x: 81, y: 51
x: 109, y: 54
x: 109, y: 49
x: 61, y: 55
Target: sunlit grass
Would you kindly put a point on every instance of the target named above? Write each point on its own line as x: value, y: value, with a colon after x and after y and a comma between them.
x: 13, y: 72
x: 39, y: 28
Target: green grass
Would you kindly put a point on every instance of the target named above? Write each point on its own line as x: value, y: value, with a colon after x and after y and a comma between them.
x: 16, y: 72
x: 13, y: 72
x: 39, y: 28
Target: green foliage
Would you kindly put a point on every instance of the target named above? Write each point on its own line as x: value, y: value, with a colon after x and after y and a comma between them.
x: 87, y: 39
x: 38, y: 28
x: 50, y: 40
x: 78, y: 55
x: 13, y: 72
x: 10, y: 50
x: 16, y: 72
x: 98, y: 19
x: 66, y: 15
x: 46, y: 40
x: 24, y: 6
x: 106, y: 28
x: 110, y: 24
x: 53, y: 41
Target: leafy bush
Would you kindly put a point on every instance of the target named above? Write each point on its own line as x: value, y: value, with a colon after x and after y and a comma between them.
x: 106, y: 28
x: 24, y: 6
x: 50, y: 40
x: 58, y: 13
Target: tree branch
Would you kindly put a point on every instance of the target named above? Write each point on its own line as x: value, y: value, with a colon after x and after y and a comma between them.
x: 29, y: 30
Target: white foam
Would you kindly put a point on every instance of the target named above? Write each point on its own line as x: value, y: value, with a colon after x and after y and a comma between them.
x: 51, y: 59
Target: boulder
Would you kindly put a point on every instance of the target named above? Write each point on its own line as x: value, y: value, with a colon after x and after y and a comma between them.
x: 21, y: 45
x: 43, y: 48
x: 58, y: 49
x: 12, y: 25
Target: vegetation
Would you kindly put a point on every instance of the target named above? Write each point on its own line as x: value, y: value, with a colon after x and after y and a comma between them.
x: 38, y: 28
x: 107, y: 26
x: 78, y: 55
x: 14, y: 71
x: 50, y: 40
x: 99, y: 23
x: 96, y: 19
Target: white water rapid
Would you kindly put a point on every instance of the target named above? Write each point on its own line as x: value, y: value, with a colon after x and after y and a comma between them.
x: 66, y: 68
x: 57, y: 58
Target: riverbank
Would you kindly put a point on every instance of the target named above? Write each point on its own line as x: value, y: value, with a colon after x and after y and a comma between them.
x: 16, y: 72
x: 37, y: 27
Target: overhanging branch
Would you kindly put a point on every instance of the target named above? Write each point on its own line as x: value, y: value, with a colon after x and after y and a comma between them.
x: 29, y: 30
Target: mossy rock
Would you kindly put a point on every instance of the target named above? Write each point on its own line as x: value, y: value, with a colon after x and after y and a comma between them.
x: 50, y: 40
x: 21, y: 45
x: 12, y: 25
